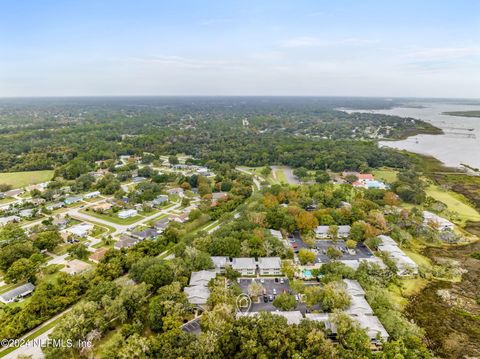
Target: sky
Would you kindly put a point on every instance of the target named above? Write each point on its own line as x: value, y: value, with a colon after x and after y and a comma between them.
x: 427, y: 48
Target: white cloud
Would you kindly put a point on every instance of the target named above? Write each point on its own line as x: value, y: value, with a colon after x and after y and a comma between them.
x: 309, y: 41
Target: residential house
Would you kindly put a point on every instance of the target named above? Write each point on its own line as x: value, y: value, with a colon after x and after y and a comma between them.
x: 405, y: 265
x: 76, y: 266
x: 160, y: 200
x: 161, y: 224
x: 270, y: 266
x: 60, y: 222
x: 26, y: 213
x: 202, y: 277
x: 322, y: 232
x: 54, y: 206
x: 98, y: 255
x: 9, y: 219
x: 343, y: 231
x: 92, y: 194
x: 17, y: 293
x: 148, y: 233
x: 197, y: 294
x: 220, y: 263
x: 127, y: 213
x: 245, y: 266
x: 126, y: 241
x: 72, y: 200
x: 80, y: 230
x: 176, y: 190
x: 180, y: 218
x: 102, y: 207
x: 13, y: 192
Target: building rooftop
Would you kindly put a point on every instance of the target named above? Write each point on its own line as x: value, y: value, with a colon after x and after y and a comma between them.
x: 197, y: 294
x: 202, y: 277
x: 269, y: 262
x: 19, y: 291
x: 372, y: 325
x: 353, y: 288
x: 244, y: 263
x: 220, y: 261
x: 75, y: 266
x: 359, y: 305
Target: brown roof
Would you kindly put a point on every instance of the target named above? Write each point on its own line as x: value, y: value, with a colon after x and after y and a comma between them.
x: 98, y: 255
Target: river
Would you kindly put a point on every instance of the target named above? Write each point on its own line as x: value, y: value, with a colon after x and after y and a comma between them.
x: 459, y: 145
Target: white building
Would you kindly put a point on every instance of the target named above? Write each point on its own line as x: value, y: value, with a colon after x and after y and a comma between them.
x: 405, y: 265
x: 92, y: 194
x: 9, y: 219
x: 322, y: 232
x: 245, y: 266
x: 197, y: 294
x: 220, y: 263
x: 17, y: 293
x: 276, y: 234
x: 80, y: 230
x: 438, y: 222
x: 127, y: 213
x: 270, y: 265
x: 202, y: 277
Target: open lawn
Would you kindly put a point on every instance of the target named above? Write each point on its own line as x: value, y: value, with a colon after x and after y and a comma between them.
x: 456, y: 203
x: 386, y: 175
x: 22, y: 179
x: 110, y: 217
x: 280, y: 175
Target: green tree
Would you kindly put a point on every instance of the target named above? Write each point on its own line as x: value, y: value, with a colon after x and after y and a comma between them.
x: 78, y: 250
x: 47, y: 240
x: 22, y: 270
x: 305, y: 256
x: 334, y: 253
x: 285, y: 301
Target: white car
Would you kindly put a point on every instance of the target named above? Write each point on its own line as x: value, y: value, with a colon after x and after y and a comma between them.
x: 282, y: 280
x: 262, y: 280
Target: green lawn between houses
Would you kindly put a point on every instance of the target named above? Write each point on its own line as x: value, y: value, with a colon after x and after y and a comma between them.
x: 22, y: 179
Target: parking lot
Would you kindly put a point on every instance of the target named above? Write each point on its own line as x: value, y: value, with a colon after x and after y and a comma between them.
x: 272, y: 288
x: 361, y: 251
x: 320, y: 247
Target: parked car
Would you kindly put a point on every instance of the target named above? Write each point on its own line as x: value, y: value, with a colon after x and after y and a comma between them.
x: 282, y: 280
x: 274, y: 291
x: 265, y: 299
x: 270, y: 298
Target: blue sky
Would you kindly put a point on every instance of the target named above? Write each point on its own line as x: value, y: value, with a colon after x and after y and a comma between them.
x: 265, y: 47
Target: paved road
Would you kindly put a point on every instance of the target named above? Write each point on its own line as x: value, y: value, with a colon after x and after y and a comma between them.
x: 254, y: 177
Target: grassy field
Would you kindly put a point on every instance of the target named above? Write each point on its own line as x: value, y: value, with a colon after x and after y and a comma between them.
x: 455, y: 203
x: 280, y: 175
x: 113, y: 218
x: 386, y: 175
x: 22, y: 179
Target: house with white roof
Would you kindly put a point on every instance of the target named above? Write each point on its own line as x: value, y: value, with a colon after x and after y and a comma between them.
x: 270, y: 265
x: 276, y: 234
x: 17, y: 293
x: 405, y: 265
x: 127, y: 213
x: 322, y: 232
x: 197, y: 294
x: 372, y: 325
x: 202, y: 277
x: 245, y: 266
x: 80, y: 230
x: 92, y: 194
x: 220, y: 263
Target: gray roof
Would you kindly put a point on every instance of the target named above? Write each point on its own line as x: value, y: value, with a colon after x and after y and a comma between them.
x: 269, y: 263
x: 146, y: 233
x: 125, y: 242
x: 353, y: 287
x: 202, y: 277
x: 322, y: 230
x: 197, y: 294
x: 244, y: 263
x: 17, y: 292
x: 372, y: 325
x: 343, y: 229
x: 220, y: 261
x: 162, y: 223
